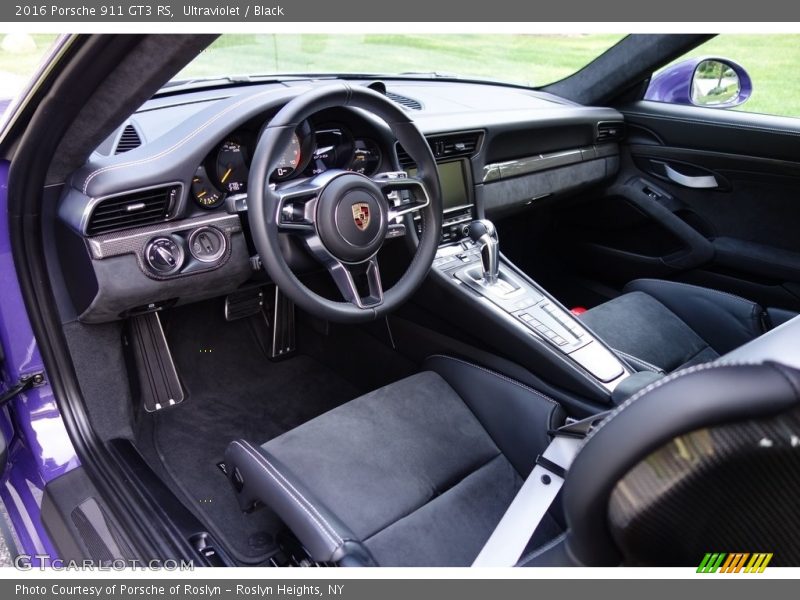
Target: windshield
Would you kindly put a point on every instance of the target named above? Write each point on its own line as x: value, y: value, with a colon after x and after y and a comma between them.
x: 531, y: 60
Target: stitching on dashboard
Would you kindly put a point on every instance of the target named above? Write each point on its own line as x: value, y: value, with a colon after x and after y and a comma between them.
x: 501, y: 376
x: 260, y: 458
x: 183, y: 141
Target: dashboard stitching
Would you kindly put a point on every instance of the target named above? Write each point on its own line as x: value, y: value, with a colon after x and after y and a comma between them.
x: 180, y: 142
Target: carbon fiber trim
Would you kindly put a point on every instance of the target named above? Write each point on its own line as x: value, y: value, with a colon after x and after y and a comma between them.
x: 732, y: 488
x: 132, y: 241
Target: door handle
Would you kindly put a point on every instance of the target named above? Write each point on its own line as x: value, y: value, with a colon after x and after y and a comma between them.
x: 698, y: 181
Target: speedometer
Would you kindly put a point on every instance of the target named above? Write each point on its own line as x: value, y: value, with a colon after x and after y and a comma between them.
x: 289, y: 160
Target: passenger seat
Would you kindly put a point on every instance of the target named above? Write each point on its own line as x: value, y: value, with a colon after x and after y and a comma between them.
x: 663, y: 326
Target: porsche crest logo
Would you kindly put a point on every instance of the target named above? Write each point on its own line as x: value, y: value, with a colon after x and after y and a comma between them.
x: 361, y: 215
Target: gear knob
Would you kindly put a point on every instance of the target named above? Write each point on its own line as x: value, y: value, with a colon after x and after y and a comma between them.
x: 484, y: 234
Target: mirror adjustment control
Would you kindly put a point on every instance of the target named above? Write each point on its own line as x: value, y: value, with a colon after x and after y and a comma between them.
x: 164, y: 255
x: 207, y: 244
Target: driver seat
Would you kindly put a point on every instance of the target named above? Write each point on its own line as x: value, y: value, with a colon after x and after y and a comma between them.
x: 420, y: 472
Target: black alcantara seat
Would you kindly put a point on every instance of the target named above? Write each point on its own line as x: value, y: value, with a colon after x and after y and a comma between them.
x: 421, y: 471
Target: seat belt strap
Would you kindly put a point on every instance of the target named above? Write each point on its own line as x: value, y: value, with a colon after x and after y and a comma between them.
x: 530, y: 505
x: 507, y: 543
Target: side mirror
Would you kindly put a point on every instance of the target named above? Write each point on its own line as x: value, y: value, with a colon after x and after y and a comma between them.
x: 709, y: 82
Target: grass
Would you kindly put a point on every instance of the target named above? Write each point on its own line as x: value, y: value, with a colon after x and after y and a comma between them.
x: 526, y: 59
x: 16, y: 68
x: 772, y: 60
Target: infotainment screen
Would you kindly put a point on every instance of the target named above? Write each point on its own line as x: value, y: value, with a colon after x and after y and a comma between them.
x: 453, y: 182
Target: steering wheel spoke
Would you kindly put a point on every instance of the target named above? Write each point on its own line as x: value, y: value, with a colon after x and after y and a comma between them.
x: 405, y: 194
x: 347, y: 278
x: 296, y: 205
x: 342, y: 217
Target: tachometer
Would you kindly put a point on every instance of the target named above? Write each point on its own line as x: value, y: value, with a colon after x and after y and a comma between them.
x: 204, y: 192
x: 231, y: 166
x: 289, y: 160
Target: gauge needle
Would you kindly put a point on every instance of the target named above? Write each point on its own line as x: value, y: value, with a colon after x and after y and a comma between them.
x: 201, y: 194
x: 227, y: 174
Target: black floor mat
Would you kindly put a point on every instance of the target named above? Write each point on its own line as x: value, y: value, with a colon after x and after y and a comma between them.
x: 233, y: 391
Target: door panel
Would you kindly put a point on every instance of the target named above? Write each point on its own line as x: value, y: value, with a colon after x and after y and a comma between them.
x: 724, y: 185
x: 717, y: 130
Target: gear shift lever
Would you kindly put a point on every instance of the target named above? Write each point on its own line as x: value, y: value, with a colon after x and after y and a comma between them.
x: 484, y: 234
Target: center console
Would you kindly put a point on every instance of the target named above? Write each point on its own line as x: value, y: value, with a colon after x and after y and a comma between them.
x: 517, y: 308
x: 514, y: 297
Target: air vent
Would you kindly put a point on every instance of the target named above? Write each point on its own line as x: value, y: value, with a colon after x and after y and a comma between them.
x: 445, y: 147
x: 128, y: 140
x: 133, y: 210
x: 404, y: 101
x: 610, y: 131
x: 405, y: 160
x: 456, y: 145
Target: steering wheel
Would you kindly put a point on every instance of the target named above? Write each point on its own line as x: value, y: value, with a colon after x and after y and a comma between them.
x: 343, y: 218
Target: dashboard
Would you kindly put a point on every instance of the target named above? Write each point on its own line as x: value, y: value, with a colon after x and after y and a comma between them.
x: 158, y: 215
x: 313, y: 149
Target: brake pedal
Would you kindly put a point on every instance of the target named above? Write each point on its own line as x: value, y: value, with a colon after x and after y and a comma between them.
x: 159, y: 385
x: 244, y: 304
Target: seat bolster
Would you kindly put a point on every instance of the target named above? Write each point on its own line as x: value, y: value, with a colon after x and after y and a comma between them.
x: 258, y: 475
x: 511, y: 412
x: 723, y: 320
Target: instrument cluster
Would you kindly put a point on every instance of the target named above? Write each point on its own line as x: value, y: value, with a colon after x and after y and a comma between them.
x: 311, y: 151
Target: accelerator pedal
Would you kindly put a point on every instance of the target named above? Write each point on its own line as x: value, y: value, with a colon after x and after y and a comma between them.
x: 272, y: 320
x: 283, y: 327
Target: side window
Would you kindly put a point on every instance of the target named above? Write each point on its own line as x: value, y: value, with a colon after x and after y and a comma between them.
x: 747, y: 72
x: 20, y: 53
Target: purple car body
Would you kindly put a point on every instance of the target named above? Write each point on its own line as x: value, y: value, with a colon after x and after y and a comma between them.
x: 674, y: 84
x: 37, y: 443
